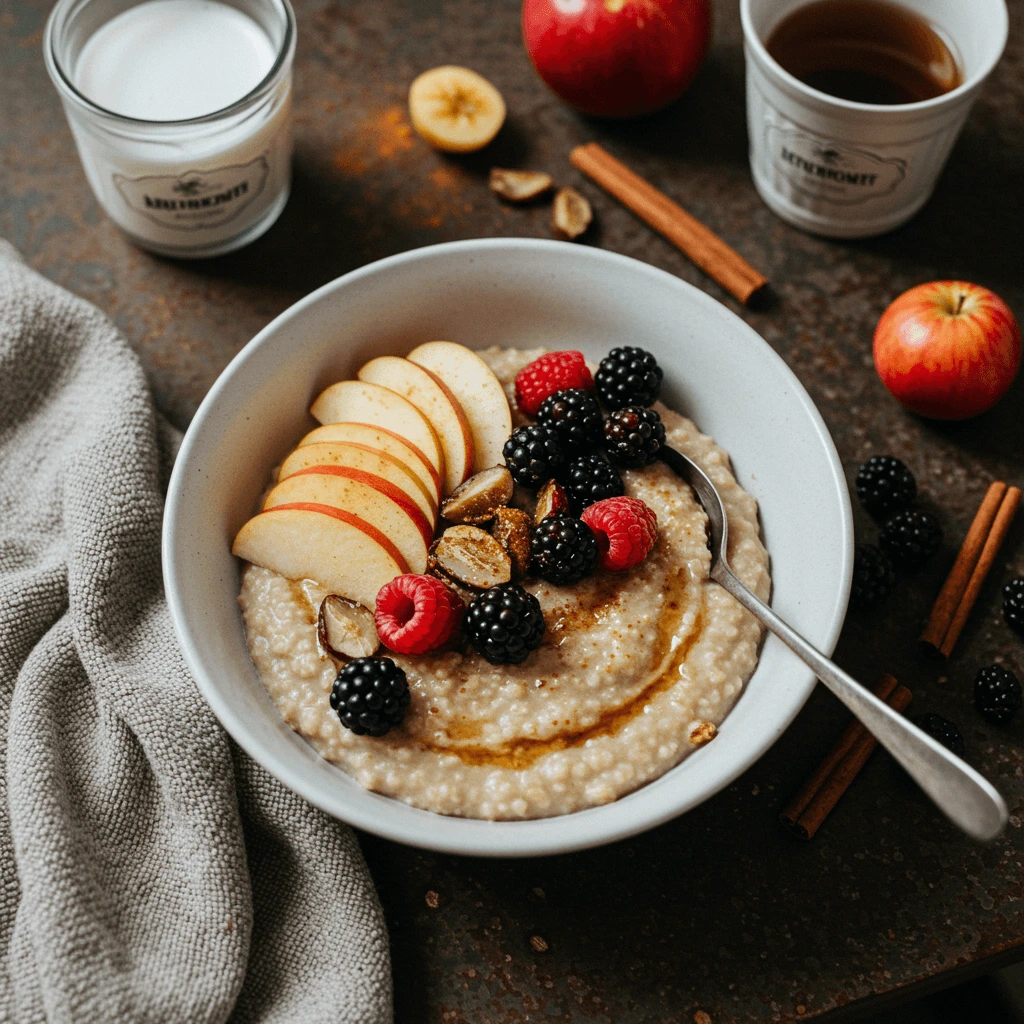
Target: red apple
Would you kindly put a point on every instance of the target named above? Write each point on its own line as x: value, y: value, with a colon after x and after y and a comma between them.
x: 948, y: 349
x: 617, y: 58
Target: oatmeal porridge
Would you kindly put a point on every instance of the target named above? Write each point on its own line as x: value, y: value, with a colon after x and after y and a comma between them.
x: 634, y: 670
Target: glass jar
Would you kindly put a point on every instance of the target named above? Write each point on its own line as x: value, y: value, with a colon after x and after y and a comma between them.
x: 196, y: 187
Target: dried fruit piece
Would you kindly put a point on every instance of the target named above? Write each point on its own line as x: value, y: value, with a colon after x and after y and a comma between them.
x: 471, y: 556
x: 511, y: 529
x: 551, y: 501
x: 455, y: 109
x: 345, y: 628
x: 476, y: 500
x: 467, y: 595
x: 519, y: 186
x: 571, y: 213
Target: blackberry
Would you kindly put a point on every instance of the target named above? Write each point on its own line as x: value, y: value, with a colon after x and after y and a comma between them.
x: 1013, y: 605
x: 633, y: 436
x: 564, y: 550
x: 885, y: 485
x: 873, y: 576
x: 370, y: 696
x: 575, y: 416
x: 590, y: 478
x: 997, y: 693
x: 533, y: 455
x: 911, y: 538
x: 941, y: 729
x: 504, y: 624
x: 628, y: 376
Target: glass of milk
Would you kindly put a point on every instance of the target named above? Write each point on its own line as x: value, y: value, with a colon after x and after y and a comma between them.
x: 181, y: 111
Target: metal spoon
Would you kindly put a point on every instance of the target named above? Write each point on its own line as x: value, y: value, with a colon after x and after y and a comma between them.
x: 970, y: 802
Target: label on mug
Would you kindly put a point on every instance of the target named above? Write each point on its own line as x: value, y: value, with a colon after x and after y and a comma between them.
x: 831, y: 171
x: 195, y: 199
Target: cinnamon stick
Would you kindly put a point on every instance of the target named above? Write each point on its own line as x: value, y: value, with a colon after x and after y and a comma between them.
x: 682, y: 229
x: 807, y: 811
x: 997, y: 534
x: 952, y: 592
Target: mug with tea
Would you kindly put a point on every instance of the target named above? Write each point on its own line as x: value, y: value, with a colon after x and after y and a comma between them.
x: 854, y: 105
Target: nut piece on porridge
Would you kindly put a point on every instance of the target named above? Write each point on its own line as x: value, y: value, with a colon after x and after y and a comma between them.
x: 471, y: 556
x: 511, y: 529
x: 346, y: 629
x: 477, y: 500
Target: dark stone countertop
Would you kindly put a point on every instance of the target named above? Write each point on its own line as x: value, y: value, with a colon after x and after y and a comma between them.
x: 719, y: 911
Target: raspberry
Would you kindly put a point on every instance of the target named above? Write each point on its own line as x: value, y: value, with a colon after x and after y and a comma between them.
x: 626, y: 530
x: 416, y: 614
x: 552, y: 372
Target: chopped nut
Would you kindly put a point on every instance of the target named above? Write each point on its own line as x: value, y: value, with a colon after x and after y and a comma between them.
x: 539, y: 944
x: 551, y: 501
x: 700, y: 1017
x: 346, y: 629
x: 432, y: 899
x: 703, y: 733
x: 511, y: 529
x: 477, y: 499
x: 571, y: 214
x: 467, y: 595
x: 519, y: 186
x: 471, y: 556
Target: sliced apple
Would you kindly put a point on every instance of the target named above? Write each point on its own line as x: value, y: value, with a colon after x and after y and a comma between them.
x: 356, y: 401
x: 434, y: 399
x: 382, y: 440
x: 363, y: 459
x: 337, y: 549
x: 479, y: 393
x: 373, y: 499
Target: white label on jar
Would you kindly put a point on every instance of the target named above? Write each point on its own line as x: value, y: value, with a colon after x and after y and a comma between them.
x: 195, y: 199
x: 831, y: 171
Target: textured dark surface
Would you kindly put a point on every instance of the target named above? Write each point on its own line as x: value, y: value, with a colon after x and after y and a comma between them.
x: 720, y: 911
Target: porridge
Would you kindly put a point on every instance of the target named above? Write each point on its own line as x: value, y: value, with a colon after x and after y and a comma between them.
x: 634, y: 671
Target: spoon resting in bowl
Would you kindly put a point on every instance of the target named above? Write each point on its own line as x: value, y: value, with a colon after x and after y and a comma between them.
x: 967, y: 799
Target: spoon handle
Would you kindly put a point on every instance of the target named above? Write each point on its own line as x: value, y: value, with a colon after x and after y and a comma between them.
x: 967, y: 799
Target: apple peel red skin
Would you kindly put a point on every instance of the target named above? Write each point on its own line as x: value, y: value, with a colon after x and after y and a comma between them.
x: 617, y: 58
x: 948, y: 350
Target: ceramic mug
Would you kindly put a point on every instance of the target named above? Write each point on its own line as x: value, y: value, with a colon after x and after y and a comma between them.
x: 849, y: 170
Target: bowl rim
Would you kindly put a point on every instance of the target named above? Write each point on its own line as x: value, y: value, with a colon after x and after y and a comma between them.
x: 469, y: 836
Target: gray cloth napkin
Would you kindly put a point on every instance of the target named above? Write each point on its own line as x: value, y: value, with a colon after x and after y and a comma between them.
x: 149, y: 870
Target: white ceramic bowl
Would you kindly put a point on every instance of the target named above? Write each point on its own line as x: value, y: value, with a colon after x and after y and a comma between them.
x: 512, y: 292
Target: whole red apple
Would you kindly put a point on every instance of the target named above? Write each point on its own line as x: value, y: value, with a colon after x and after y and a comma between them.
x: 617, y: 58
x: 948, y: 349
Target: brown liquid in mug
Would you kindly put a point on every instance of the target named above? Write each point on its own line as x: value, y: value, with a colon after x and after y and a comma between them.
x: 870, y: 51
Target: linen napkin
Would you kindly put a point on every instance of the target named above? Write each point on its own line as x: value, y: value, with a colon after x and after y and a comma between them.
x: 149, y: 870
